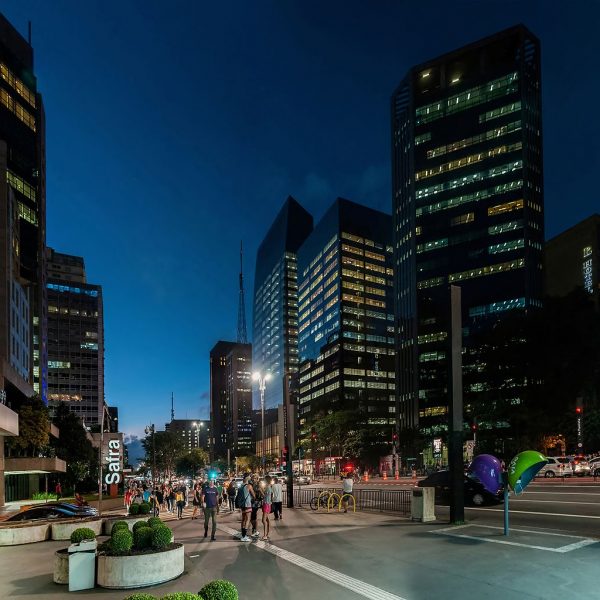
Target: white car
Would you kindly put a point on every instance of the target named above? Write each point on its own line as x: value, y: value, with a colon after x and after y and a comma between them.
x: 278, y: 474
x: 558, y: 466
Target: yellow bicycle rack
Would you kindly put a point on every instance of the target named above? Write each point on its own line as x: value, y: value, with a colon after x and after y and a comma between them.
x: 342, y: 500
x: 330, y: 502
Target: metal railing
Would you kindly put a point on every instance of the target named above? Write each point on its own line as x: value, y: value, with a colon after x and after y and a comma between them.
x: 375, y: 500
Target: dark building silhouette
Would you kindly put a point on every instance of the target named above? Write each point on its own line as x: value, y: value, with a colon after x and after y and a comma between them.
x: 230, y: 399
x: 75, y: 338
x: 468, y: 209
x: 346, y: 321
x: 572, y: 260
x: 275, y: 322
x: 195, y: 432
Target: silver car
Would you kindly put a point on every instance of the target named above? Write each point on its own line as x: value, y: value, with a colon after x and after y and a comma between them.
x: 558, y: 466
x: 581, y: 467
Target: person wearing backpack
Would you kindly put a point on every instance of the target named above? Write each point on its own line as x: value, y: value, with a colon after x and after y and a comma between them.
x: 180, y: 501
x: 256, y: 504
x: 243, y: 501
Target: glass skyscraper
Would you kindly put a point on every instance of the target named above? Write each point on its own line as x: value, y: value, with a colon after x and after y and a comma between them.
x: 468, y: 210
x: 346, y: 321
x: 275, y: 321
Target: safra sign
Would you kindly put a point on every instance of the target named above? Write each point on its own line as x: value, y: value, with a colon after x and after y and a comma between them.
x: 113, y: 459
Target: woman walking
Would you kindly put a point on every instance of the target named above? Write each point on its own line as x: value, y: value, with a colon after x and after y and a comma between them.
x: 196, y: 501
x: 266, y: 507
x: 180, y: 500
x: 231, y: 492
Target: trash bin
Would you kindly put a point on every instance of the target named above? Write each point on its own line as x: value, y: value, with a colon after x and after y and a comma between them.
x: 422, y: 505
x: 82, y: 565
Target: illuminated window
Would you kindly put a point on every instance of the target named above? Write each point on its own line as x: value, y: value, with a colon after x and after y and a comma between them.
x: 503, y: 227
x: 431, y: 356
x: 489, y: 270
x: 433, y: 245
x: 17, y: 84
x: 433, y: 282
x: 462, y: 219
x: 504, y: 208
x: 439, y: 336
x: 23, y: 115
x: 498, y: 112
x: 421, y: 139
x: 20, y: 185
x: 496, y: 307
x: 506, y: 246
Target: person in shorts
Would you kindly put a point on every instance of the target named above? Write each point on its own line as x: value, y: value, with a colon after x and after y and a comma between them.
x: 256, y: 504
x: 267, y: 503
x: 247, y: 492
x: 277, y: 499
x: 347, y: 487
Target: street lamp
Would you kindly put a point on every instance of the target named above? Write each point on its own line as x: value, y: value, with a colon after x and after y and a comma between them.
x: 262, y: 386
x: 150, y: 429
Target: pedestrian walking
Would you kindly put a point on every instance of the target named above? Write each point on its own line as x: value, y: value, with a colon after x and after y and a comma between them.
x: 180, y: 502
x: 347, y: 488
x: 256, y: 504
x: 277, y: 499
x: 58, y: 490
x: 243, y: 500
x: 196, y: 500
x: 172, y: 498
x: 160, y: 499
x: 210, y: 504
x: 231, y: 491
x: 266, y: 507
x: 154, y: 502
x: 127, y: 500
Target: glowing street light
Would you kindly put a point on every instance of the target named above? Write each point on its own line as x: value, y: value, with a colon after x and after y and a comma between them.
x: 262, y: 386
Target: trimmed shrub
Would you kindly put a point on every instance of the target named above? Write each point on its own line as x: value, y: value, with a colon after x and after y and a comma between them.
x: 161, y: 537
x: 141, y: 596
x: 181, y: 596
x: 119, y: 525
x: 153, y: 521
x: 142, y: 537
x: 82, y: 533
x: 138, y: 525
x: 121, y: 541
x: 134, y: 509
x: 144, y: 508
x: 219, y: 589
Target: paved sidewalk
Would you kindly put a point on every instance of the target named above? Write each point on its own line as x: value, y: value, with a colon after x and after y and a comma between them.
x: 351, y: 556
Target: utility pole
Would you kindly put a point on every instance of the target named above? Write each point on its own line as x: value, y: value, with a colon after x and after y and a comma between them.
x: 288, y: 440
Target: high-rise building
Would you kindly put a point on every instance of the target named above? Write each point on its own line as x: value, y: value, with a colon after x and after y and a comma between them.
x: 195, y: 432
x: 75, y: 338
x: 275, y: 323
x: 346, y: 321
x: 572, y: 260
x: 23, y: 220
x: 230, y: 399
x: 467, y: 206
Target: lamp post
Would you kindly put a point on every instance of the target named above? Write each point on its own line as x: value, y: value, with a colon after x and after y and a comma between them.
x: 262, y: 386
x: 150, y: 429
x: 100, y: 463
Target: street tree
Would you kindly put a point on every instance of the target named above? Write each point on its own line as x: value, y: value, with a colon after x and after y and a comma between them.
x: 34, y: 428
x: 167, y: 448
x: 192, y: 462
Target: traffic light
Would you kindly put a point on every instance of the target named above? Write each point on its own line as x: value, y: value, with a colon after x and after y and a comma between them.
x: 578, y: 410
x: 474, y: 425
x: 314, y: 436
x: 285, y: 455
x: 394, y: 437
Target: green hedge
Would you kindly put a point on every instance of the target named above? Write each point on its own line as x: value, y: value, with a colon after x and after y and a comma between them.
x: 134, y: 509
x: 139, y: 525
x: 121, y: 541
x: 161, y: 537
x: 144, y: 508
x: 181, y: 596
x: 142, y: 537
x: 219, y: 589
x: 154, y: 521
x: 82, y: 533
x: 119, y: 525
x: 141, y: 596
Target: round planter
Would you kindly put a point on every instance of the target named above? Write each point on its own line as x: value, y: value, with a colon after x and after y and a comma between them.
x: 108, y: 523
x: 61, y: 566
x: 12, y: 535
x: 62, y: 530
x: 124, y: 572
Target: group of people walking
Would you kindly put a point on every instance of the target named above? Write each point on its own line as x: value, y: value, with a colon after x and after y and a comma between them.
x: 165, y: 497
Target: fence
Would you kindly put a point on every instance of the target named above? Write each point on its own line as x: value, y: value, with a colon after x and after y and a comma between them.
x: 376, y: 500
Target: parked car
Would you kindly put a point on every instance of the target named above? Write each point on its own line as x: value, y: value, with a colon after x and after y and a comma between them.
x: 278, y: 474
x: 474, y: 491
x: 302, y: 479
x: 556, y: 466
x: 54, y: 510
x: 581, y: 467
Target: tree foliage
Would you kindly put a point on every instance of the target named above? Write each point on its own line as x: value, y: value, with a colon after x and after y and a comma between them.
x: 192, y: 462
x: 34, y: 428
x: 168, y: 447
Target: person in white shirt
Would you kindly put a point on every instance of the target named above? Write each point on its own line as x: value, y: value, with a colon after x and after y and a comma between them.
x: 347, y: 487
x: 277, y: 500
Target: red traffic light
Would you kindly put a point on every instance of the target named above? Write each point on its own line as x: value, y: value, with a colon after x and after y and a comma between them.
x: 579, y: 410
x: 314, y: 436
x: 473, y: 426
x: 394, y: 436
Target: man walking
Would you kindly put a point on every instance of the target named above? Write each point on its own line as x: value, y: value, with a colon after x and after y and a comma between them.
x: 210, y: 503
x: 277, y: 500
x: 347, y: 486
x: 58, y: 490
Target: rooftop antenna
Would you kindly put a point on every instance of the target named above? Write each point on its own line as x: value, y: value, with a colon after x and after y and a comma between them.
x: 172, y: 408
x: 242, y: 334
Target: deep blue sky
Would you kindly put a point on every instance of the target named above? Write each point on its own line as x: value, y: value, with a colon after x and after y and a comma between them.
x: 175, y: 129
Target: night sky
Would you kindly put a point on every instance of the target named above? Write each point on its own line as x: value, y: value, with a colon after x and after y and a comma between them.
x: 175, y: 129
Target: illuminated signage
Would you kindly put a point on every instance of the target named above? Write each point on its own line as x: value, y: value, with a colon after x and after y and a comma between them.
x: 588, y: 270
x: 113, y: 458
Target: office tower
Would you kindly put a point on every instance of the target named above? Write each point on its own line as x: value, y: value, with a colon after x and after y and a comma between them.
x: 75, y: 338
x: 275, y: 322
x: 195, y: 432
x: 346, y: 322
x: 230, y: 399
x: 572, y: 260
x: 468, y: 211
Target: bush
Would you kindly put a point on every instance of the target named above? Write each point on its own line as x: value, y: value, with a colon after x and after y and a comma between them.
x: 181, y: 596
x: 219, y: 589
x: 142, y: 537
x: 44, y: 496
x: 138, y: 525
x: 154, y: 521
x: 134, y: 509
x: 144, y: 508
x: 82, y: 533
x: 119, y: 525
x: 161, y: 537
x: 141, y: 596
x: 121, y: 541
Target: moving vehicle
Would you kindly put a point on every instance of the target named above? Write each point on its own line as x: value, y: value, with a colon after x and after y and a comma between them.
x: 556, y: 466
x: 54, y: 510
x: 278, y: 474
x: 302, y: 479
x: 474, y: 491
x: 581, y: 467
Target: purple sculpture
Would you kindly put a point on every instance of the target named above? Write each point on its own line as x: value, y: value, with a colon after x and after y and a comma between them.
x: 488, y: 470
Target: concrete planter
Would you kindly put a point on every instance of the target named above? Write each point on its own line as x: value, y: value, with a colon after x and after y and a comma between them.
x: 61, y: 567
x: 13, y: 535
x: 108, y: 523
x: 124, y: 572
x: 62, y: 530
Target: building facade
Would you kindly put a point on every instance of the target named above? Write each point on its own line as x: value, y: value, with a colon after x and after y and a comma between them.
x: 275, y: 306
x: 75, y: 338
x: 230, y: 399
x: 195, y: 433
x: 468, y: 209
x: 572, y: 260
x: 346, y: 322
